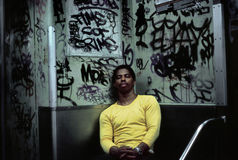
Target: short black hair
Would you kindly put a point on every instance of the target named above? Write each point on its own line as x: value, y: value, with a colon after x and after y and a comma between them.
x: 123, y: 67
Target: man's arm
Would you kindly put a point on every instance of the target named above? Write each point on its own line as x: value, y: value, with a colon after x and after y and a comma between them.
x: 106, y: 133
x: 153, y: 120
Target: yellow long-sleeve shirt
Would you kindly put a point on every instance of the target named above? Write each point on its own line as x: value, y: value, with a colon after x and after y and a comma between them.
x: 130, y: 125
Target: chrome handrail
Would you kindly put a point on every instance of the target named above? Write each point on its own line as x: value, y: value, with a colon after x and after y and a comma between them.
x: 195, y: 135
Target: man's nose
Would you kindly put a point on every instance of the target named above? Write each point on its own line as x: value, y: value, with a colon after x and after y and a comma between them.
x: 123, y: 78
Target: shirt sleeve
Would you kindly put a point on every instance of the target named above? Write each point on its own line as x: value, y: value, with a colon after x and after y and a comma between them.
x: 153, y: 120
x: 106, y: 133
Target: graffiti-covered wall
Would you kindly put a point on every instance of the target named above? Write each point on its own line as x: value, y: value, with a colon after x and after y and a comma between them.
x: 26, y: 74
x: 88, y: 40
x: 174, y: 53
x: 93, y: 28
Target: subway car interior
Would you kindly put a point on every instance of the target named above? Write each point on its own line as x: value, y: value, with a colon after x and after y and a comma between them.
x: 57, y: 58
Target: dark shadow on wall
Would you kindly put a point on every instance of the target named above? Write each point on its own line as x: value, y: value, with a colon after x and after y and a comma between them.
x: 231, y: 28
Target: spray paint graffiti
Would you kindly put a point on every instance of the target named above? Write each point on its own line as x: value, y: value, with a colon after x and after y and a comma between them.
x: 181, y: 51
x: 128, y: 54
x: 112, y: 4
x: 96, y: 76
x: 22, y: 65
x: 23, y: 32
x: 24, y: 128
x: 40, y: 35
x: 173, y: 65
x: 93, y: 94
x: 184, y: 33
x: 203, y: 90
x: 64, y: 81
x: 24, y: 131
x: 40, y: 31
x: 198, y: 91
x: 140, y: 63
x: 22, y: 73
x: 181, y: 45
x: 99, y: 39
x: 98, y: 71
x: 141, y: 25
x: 126, y: 17
x: 93, y: 28
x: 60, y: 20
x: 158, y: 94
x: 24, y: 120
x: 41, y: 7
x: 61, y: 38
x: 105, y: 64
x: 42, y: 74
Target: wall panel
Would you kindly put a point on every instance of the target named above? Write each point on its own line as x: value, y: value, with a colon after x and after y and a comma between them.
x: 174, y: 50
x: 88, y: 41
x: 21, y: 109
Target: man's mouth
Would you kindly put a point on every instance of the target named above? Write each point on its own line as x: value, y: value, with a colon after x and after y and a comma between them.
x: 123, y: 84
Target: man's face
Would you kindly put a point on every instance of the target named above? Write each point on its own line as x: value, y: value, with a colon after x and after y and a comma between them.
x: 124, y: 82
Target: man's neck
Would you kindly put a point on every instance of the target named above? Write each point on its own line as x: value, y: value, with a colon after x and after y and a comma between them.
x: 126, y: 98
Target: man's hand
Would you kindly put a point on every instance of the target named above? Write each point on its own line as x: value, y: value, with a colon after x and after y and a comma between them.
x: 143, y: 147
x: 123, y: 153
x: 127, y: 153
